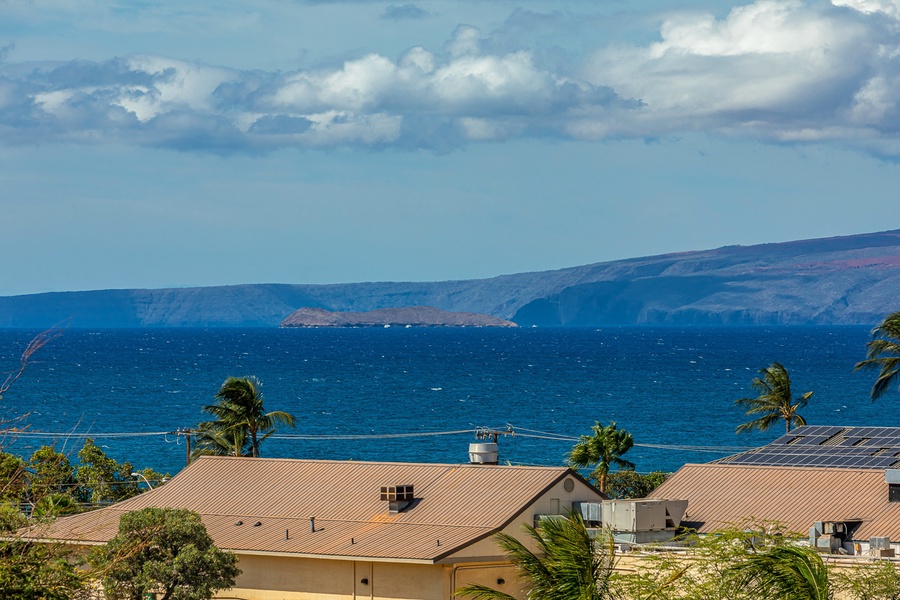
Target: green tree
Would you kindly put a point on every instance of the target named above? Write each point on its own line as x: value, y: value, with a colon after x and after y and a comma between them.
x: 604, y: 449
x: 11, y: 517
x: 13, y: 480
x: 166, y: 552
x: 883, y: 354
x: 703, y: 570
x: 212, y: 438
x: 784, y: 573
x: 239, y: 409
x: 50, y: 473
x: 39, y: 571
x: 876, y: 581
x: 100, y: 478
x: 568, y: 564
x: 774, y: 402
x: 631, y: 484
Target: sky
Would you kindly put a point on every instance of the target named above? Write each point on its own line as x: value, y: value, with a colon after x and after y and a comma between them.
x: 161, y: 143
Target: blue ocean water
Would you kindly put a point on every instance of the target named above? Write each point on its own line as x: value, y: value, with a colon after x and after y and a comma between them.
x: 670, y: 387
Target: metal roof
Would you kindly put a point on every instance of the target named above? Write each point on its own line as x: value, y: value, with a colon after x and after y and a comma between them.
x: 454, y: 506
x: 828, y: 446
x: 720, y: 495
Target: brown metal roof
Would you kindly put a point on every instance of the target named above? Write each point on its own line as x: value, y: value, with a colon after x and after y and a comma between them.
x: 455, y: 504
x: 720, y: 495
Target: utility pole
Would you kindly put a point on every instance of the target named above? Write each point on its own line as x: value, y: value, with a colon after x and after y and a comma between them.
x: 187, y: 433
x: 485, y: 433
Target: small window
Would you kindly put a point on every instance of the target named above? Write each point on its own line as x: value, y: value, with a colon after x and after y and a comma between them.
x: 894, y: 492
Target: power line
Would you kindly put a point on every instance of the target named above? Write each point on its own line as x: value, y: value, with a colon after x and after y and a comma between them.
x: 69, y: 434
x: 510, y: 430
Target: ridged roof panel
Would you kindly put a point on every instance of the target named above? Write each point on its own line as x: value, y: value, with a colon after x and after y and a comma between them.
x: 720, y: 495
x: 455, y: 504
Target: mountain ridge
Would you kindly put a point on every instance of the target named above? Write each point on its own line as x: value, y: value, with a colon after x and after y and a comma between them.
x: 837, y: 280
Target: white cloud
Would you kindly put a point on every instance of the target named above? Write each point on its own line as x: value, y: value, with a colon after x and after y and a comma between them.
x: 466, y: 41
x: 887, y: 7
x: 785, y: 70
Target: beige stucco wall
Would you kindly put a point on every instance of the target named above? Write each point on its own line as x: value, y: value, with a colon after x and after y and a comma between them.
x: 288, y: 578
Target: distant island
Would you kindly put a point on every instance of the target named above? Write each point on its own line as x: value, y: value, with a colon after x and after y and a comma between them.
x: 407, y: 316
x: 850, y: 280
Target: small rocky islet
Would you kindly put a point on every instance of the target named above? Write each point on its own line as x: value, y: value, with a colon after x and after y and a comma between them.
x: 409, y: 316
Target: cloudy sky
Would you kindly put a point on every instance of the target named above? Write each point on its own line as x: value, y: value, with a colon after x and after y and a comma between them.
x: 160, y: 143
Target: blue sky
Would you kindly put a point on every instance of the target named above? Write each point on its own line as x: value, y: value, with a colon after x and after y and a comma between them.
x: 156, y: 144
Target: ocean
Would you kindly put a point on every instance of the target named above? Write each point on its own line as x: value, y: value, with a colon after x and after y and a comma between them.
x: 409, y: 394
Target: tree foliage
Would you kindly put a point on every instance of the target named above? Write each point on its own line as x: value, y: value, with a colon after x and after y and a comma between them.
x: 163, y: 551
x: 883, y: 355
x: 102, y: 479
x: 702, y: 568
x: 603, y: 450
x: 875, y: 581
x: 775, y: 401
x: 50, y: 474
x: 784, y: 572
x: 568, y: 564
x: 39, y: 571
x: 241, y: 419
x: 215, y: 439
x: 631, y: 484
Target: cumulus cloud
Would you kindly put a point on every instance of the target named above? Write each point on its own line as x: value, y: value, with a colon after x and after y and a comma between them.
x: 461, y: 95
x: 778, y: 70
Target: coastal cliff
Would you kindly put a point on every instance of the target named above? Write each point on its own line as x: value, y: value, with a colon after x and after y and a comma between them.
x: 408, y: 316
x: 847, y: 280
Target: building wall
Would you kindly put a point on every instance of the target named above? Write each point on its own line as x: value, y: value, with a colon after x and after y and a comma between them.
x: 287, y: 578
x: 497, y: 575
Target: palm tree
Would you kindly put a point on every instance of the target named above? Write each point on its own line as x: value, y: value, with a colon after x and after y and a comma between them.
x: 240, y: 414
x: 568, y: 563
x: 215, y: 439
x: 605, y: 449
x: 774, y: 401
x: 883, y: 353
x: 784, y: 573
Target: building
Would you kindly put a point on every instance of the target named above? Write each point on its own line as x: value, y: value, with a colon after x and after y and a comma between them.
x: 840, y: 485
x: 343, y: 530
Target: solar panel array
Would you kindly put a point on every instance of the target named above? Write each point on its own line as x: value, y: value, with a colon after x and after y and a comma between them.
x: 824, y: 446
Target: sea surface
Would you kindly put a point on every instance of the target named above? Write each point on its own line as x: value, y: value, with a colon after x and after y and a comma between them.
x: 402, y: 394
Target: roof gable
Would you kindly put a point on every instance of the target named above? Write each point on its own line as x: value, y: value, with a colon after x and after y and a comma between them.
x: 454, y: 505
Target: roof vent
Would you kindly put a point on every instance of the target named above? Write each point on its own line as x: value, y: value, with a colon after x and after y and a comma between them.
x: 399, y: 497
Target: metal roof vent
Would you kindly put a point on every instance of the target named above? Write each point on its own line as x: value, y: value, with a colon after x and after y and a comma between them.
x: 399, y: 497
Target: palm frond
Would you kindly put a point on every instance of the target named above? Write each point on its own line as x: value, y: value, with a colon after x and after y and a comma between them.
x: 775, y: 401
x: 784, y: 572
x: 883, y: 354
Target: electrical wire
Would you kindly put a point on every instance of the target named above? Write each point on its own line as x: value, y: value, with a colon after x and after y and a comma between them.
x: 508, y: 430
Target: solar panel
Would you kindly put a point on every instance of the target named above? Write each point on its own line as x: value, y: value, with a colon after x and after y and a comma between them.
x: 828, y: 446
